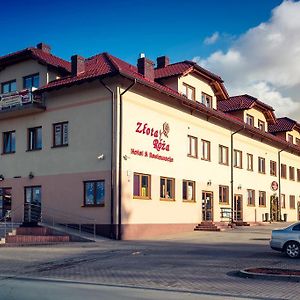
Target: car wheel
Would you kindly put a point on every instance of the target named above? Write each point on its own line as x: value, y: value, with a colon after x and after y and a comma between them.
x: 292, y: 249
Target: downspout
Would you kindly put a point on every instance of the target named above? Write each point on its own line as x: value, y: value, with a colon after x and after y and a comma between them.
x: 113, y: 234
x: 279, y: 179
x: 231, y: 169
x: 119, y: 237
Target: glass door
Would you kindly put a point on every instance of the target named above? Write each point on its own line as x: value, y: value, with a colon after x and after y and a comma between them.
x: 207, y: 206
x: 238, y: 208
x: 275, y: 215
x: 5, y: 203
x: 32, y: 205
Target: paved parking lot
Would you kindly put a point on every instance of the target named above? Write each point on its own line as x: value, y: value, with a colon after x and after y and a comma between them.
x: 200, y: 262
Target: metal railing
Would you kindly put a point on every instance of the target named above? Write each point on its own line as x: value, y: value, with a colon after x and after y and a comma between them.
x: 8, y: 219
x: 57, y: 218
x: 48, y: 216
x: 17, y: 99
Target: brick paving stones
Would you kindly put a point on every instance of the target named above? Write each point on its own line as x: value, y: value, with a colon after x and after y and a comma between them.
x: 196, y: 261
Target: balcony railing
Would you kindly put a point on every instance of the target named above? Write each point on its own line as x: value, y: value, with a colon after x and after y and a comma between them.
x: 19, y: 103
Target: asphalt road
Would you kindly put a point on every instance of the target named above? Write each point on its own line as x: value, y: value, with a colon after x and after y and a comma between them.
x: 20, y: 289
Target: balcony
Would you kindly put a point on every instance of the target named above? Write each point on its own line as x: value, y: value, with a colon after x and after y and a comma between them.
x: 19, y: 104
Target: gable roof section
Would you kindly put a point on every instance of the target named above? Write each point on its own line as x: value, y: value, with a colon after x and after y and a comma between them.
x: 36, y: 54
x: 244, y: 102
x: 186, y: 67
x: 283, y: 125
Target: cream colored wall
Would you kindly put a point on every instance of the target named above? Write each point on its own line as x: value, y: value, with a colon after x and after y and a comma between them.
x: 87, y: 108
x: 294, y: 133
x: 19, y: 70
x: 138, y: 108
x: 258, y: 115
x: 199, y: 85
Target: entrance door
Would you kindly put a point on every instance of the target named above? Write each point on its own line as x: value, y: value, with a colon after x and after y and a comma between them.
x: 5, y: 203
x: 207, y: 206
x: 32, y: 205
x: 238, y: 208
x: 274, y: 209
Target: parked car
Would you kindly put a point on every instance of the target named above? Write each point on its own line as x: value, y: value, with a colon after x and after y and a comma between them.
x: 287, y: 240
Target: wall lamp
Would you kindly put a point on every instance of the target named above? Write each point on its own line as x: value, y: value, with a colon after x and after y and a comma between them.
x: 1, y: 177
x: 209, y: 182
x: 31, y: 175
x: 126, y: 157
x: 239, y: 187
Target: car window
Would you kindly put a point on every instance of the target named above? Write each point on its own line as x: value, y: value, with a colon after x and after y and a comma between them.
x: 296, y: 227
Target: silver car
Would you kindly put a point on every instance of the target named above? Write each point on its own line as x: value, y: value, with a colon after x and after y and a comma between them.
x: 287, y: 240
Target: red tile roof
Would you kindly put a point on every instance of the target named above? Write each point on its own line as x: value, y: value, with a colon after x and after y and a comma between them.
x: 182, y: 68
x: 104, y: 64
x: 282, y: 125
x: 38, y: 54
x: 241, y: 102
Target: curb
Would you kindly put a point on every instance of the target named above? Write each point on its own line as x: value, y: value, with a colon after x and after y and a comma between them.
x: 275, y: 277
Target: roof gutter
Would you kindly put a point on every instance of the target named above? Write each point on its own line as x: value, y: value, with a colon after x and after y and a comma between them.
x: 119, y: 236
x: 112, y: 160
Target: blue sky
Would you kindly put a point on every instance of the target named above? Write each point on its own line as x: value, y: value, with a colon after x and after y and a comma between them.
x: 252, y: 44
x: 126, y: 28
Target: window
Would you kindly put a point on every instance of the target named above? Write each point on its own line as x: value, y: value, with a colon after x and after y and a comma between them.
x: 94, y: 193
x: 35, y: 138
x: 205, y: 150
x: 167, y: 188
x: 249, y: 120
x: 188, y: 190
x: 292, y: 173
x: 192, y: 146
x: 282, y: 200
x: 206, y: 100
x: 60, y: 134
x: 290, y: 139
x: 298, y: 175
x: 261, y: 125
x: 261, y: 165
x: 292, y: 202
x: 296, y: 227
x: 224, y: 194
x: 273, y: 168
x: 8, y: 87
x: 31, y: 81
x: 251, y: 197
x: 189, y: 91
x: 249, y: 162
x: 223, y: 155
x: 237, y: 159
x: 262, y: 198
x: 9, y: 142
x: 297, y: 142
x: 141, y: 186
x: 283, y: 171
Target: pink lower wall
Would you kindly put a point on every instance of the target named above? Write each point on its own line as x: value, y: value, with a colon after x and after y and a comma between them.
x: 62, y: 197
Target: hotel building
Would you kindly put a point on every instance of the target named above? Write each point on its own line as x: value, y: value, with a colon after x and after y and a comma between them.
x: 139, y: 150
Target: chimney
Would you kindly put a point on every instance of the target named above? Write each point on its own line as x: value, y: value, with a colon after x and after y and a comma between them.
x: 146, y: 67
x: 162, y: 62
x: 77, y: 65
x: 44, y: 47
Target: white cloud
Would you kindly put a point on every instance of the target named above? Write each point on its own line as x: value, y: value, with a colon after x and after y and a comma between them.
x: 212, y: 39
x: 265, y: 61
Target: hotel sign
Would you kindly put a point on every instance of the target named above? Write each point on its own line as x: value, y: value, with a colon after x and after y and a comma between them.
x: 159, y: 141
